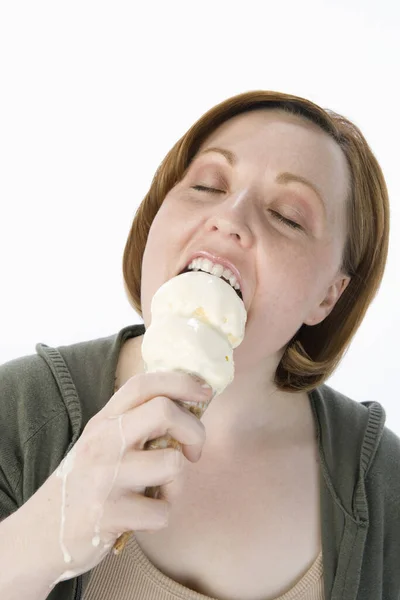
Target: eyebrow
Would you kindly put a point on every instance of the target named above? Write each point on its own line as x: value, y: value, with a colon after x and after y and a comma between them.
x: 282, y: 178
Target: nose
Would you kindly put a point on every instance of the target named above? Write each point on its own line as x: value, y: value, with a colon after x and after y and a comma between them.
x: 229, y: 218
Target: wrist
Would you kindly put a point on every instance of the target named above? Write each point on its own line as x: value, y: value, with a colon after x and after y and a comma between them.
x: 31, y: 559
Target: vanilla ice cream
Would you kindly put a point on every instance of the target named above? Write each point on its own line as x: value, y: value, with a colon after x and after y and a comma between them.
x: 197, y: 319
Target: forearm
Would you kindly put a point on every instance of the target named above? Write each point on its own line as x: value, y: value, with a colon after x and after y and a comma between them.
x: 25, y: 571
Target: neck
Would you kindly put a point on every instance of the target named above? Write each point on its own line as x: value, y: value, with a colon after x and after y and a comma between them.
x: 250, y: 411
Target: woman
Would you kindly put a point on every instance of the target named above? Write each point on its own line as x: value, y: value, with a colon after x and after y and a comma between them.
x: 296, y: 492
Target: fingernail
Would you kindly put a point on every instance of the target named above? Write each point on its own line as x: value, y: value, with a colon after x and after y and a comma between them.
x: 197, y: 378
x: 206, y: 388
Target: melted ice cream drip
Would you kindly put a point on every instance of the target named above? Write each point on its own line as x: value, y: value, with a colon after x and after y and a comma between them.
x: 63, y: 471
x: 96, y: 538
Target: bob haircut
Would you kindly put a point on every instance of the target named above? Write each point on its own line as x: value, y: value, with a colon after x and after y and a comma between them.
x: 314, y: 352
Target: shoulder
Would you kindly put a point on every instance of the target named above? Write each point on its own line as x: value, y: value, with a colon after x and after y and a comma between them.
x: 385, y: 469
x: 348, y: 427
x: 45, y: 401
x: 382, y: 489
x: 34, y: 428
x: 334, y: 403
x: 28, y: 394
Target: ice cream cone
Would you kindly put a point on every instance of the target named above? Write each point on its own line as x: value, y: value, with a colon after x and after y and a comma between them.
x: 197, y: 320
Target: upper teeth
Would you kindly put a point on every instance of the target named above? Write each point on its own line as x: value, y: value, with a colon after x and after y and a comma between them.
x: 215, y: 269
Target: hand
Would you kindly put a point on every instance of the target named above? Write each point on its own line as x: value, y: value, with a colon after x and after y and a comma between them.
x: 97, y: 491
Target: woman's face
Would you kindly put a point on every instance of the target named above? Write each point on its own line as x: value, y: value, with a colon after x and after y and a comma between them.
x: 290, y: 274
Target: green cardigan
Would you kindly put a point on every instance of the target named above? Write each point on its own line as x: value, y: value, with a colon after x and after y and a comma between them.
x: 47, y: 398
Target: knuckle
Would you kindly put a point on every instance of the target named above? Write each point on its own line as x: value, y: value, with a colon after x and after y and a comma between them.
x: 92, y: 424
x: 94, y: 439
x: 90, y: 449
x: 173, y: 460
x: 135, y: 385
x: 138, y: 380
x: 164, y: 513
x: 166, y: 407
x: 203, y: 432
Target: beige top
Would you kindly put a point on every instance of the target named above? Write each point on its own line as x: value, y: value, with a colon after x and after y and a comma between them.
x: 131, y: 576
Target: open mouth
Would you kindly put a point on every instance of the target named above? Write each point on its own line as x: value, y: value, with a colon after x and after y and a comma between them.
x: 187, y: 270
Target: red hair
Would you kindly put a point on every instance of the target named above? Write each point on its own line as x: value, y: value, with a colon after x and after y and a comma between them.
x: 315, y: 351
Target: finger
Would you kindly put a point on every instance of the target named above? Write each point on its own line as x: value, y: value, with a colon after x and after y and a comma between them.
x: 142, y: 469
x: 144, y: 386
x: 159, y: 417
x: 135, y: 512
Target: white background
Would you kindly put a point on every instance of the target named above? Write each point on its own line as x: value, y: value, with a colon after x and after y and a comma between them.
x: 94, y: 94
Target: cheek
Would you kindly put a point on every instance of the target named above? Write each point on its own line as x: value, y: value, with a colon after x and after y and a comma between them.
x: 160, y: 257
x: 162, y: 233
x: 287, y: 284
x: 287, y: 264
x: 152, y: 267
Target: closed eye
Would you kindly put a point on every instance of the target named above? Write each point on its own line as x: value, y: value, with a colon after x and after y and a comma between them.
x: 203, y: 188
x: 288, y: 222
x: 278, y: 216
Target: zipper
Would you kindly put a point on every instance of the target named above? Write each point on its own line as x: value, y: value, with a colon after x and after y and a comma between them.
x: 78, y: 591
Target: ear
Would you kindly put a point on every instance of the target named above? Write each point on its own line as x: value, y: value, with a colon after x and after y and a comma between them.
x: 334, y: 292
